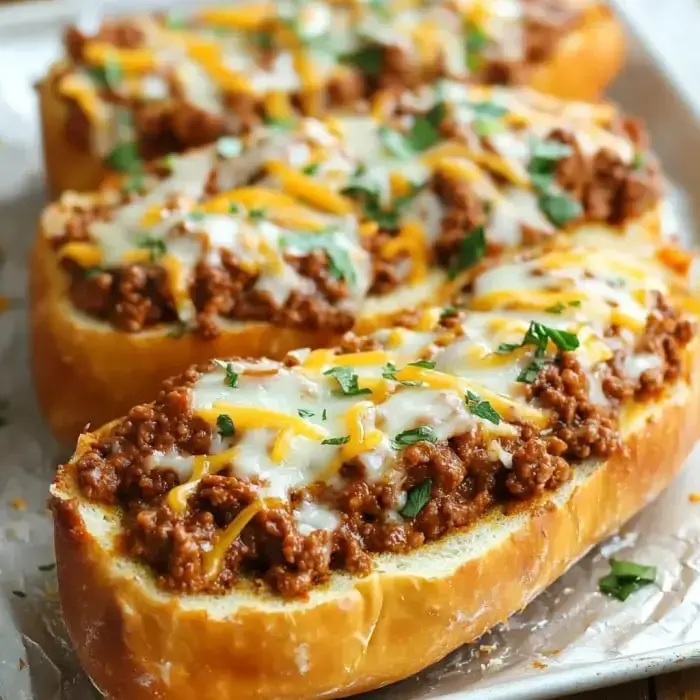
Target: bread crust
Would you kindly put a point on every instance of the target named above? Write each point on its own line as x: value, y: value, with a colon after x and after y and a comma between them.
x: 582, y: 66
x: 137, y: 643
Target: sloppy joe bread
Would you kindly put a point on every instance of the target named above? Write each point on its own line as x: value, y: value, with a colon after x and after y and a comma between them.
x: 158, y: 84
x: 339, y: 520
x: 283, y: 238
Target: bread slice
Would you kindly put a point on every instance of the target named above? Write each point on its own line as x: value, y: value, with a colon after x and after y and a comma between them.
x: 355, y: 633
x: 582, y: 65
x: 451, y: 200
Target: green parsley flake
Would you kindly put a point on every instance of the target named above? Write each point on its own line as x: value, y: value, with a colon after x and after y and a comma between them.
x: 416, y: 499
x: 424, y: 433
x: 310, y: 169
x: 304, y: 413
x: 225, y: 425
x: 347, y: 380
x: 425, y: 364
x: 125, y: 158
x: 472, y: 248
x: 257, y: 214
x: 155, y: 246
x: 539, y: 335
x: 476, y: 42
x: 370, y: 200
x: 340, y: 264
x: 231, y: 376
x: 343, y: 440
x: 625, y: 578
x: 559, y: 208
x: 481, y: 408
x: 370, y: 59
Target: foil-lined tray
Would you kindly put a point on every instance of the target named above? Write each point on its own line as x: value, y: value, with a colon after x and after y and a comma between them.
x: 571, y: 637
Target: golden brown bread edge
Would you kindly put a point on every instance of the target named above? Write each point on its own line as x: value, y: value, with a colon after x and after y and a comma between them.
x: 581, y: 68
x: 86, y: 370
x: 137, y: 646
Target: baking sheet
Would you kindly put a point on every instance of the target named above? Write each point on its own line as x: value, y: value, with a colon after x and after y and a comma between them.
x: 569, y: 639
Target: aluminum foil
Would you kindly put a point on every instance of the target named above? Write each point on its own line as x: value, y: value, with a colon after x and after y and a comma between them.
x: 570, y: 638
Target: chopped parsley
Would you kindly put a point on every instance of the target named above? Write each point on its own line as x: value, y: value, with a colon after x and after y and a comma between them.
x: 257, y: 214
x: 19, y: 594
x: 125, y: 158
x: 448, y: 312
x: 488, y: 109
x: 234, y: 208
x: 347, y: 380
x: 639, y: 160
x: 324, y: 414
x: 416, y: 499
x: 389, y: 372
x: 133, y: 184
x: 423, y: 433
x: 559, y: 208
x: 539, y: 335
x: 155, y: 246
x: 310, y: 169
x: 487, y: 127
x: 471, y: 249
x: 229, y: 147
x: 175, y: 20
x: 369, y: 198
x: 263, y: 40
x: 625, y: 578
x: 304, y: 413
x: 340, y: 265
x: 225, y: 425
x: 89, y: 272
x: 108, y: 76
x: 196, y: 216
x: 425, y: 364
x: 559, y: 308
x: 47, y: 567
x: 231, y: 376
x: 476, y: 42
x: 343, y: 440
x: 369, y: 59
x: 284, y: 123
x: 423, y: 134
x: 481, y: 408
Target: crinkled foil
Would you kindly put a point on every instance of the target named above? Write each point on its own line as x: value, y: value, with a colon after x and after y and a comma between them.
x: 569, y: 638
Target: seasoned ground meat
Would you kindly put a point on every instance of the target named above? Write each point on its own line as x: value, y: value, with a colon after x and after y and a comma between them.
x: 464, y: 212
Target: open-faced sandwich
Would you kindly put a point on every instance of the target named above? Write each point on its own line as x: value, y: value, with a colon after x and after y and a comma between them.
x: 336, y: 521
x: 284, y: 238
x: 159, y: 84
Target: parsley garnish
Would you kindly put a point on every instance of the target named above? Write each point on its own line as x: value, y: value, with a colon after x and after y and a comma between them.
x: 487, y: 127
x: 19, y: 594
x: 284, y: 123
x: 559, y: 307
x: 303, y: 413
x: 476, y: 43
x: 425, y: 364
x: 231, y: 376
x: 133, y: 184
x: 256, y: 214
x: 625, y: 578
x: 324, y: 415
x: 336, y: 440
x: 416, y: 499
x: 263, y: 40
x: 340, y: 263
x: 559, y: 208
x: 481, y: 408
x: 639, y: 160
x: 47, y: 567
x: 225, y: 425
x: 347, y: 380
x: 471, y: 249
x: 538, y: 335
x: 108, y: 76
x: 310, y: 169
x: 423, y: 134
x: 387, y: 219
x: 369, y: 60
x: 234, y: 208
x: 89, y: 272
x: 229, y: 147
x: 389, y: 372
x: 125, y: 158
x: 424, y: 433
x: 196, y: 216
x: 448, y: 311
x: 155, y: 246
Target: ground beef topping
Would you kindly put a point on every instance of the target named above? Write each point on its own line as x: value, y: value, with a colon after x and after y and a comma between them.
x: 298, y: 225
x: 287, y: 472
x: 171, y: 109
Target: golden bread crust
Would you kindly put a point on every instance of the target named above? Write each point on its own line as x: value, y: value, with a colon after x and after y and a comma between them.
x: 137, y: 643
